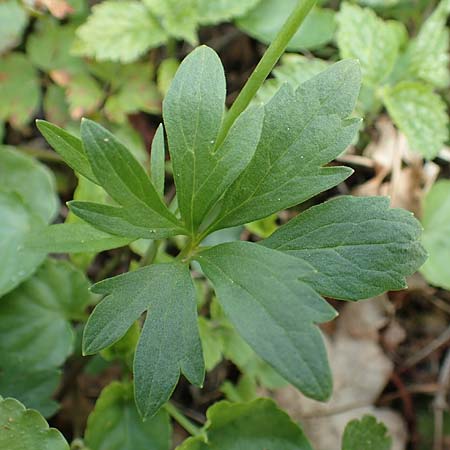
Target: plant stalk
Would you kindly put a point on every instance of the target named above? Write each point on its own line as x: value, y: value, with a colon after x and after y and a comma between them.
x: 181, y: 419
x: 265, y: 65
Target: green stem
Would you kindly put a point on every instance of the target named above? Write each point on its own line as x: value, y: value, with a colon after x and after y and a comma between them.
x: 265, y: 66
x: 173, y: 411
x: 150, y: 254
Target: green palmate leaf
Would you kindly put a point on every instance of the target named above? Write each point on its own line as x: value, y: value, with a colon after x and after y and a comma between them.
x: 295, y: 70
x: 74, y: 238
x: 32, y: 180
x: 254, y: 426
x: 367, y: 434
x: 13, y: 21
x: 167, y: 292
x: 268, y: 16
x: 115, y: 423
x: 26, y: 429
x: 427, y: 56
x: 358, y: 246
x: 69, y: 147
x: 35, y: 317
x: 420, y: 114
x: 436, y: 222
x: 158, y: 159
x: 374, y: 42
x: 19, y: 89
x: 18, y: 221
x: 247, y: 279
x: 34, y: 388
x: 193, y: 111
x: 119, y: 31
x: 302, y: 130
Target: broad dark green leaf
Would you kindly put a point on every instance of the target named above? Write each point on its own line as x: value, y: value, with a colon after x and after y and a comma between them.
x: 26, y: 429
x: 302, y: 131
x: 193, y: 110
x: 255, y: 425
x: 74, y: 238
x: 69, y: 147
x: 367, y: 434
x: 262, y: 295
x: 158, y: 159
x: 18, y: 221
x: 115, y: 423
x: 169, y: 344
x: 358, y: 246
x: 35, y: 317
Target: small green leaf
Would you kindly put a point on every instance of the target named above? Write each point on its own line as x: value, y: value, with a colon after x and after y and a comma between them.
x: 255, y: 425
x: 374, y: 42
x: 436, y: 222
x: 74, y: 238
x: 202, y: 172
x: 420, y: 114
x: 358, y: 246
x: 119, y: 31
x: 367, y: 434
x: 69, y: 147
x: 13, y: 21
x: 31, y: 179
x: 56, y: 108
x: 115, y: 423
x: 168, y: 293
x: 247, y: 278
x: 158, y: 159
x: 26, y: 429
x: 19, y: 90
x: 84, y: 95
x: 18, y: 222
x: 302, y: 131
x: 210, y: 13
x: 268, y: 16
x: 35, y: 317
x: 166, y: 72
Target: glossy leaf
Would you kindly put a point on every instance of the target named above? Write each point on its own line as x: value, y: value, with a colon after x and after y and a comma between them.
x: 26, y: 429
x: 436, y: 223
x: 358, y: 246
x: 202, y: 172
x: 420, y: 114
x: 254, y: 426
x: 115, y: 423
x: 167, y: 292
x: 35, y: 317
x: 302, y: 131
x: 262, y: 295
x: 366, y: 433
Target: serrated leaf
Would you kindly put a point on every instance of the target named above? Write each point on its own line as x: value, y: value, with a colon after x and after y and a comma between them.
x: 69, y: 147
x: 420, y: 114
x: 247, y: 278
x: 268, y: 16
x: 358, y: 246
x: 115, y: 423
x: 35, y: 317
x: 436, y: 223
x: 19, y: 89
x: 158, y: 159
x: 210, y: 13
x: 374, y: 42
x: 193, y: 110
x: 74, y: 238
x: 366, y: 433
x: 302, y: 131
x: 26, y: 429
x: 255, y: 425
x: 34, y: 388
x: 119, y: 31
x: 13, y: 21
x: 31, y: 179
x: 427, y: 56
x: 18, y: 221
x: 167, y: 291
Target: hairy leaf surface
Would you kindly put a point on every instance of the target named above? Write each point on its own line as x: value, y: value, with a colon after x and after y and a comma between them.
x: 366, y: 433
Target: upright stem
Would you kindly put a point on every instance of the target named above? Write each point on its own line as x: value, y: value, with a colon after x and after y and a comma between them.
x: 173, y: 411
x: 265, y: 66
